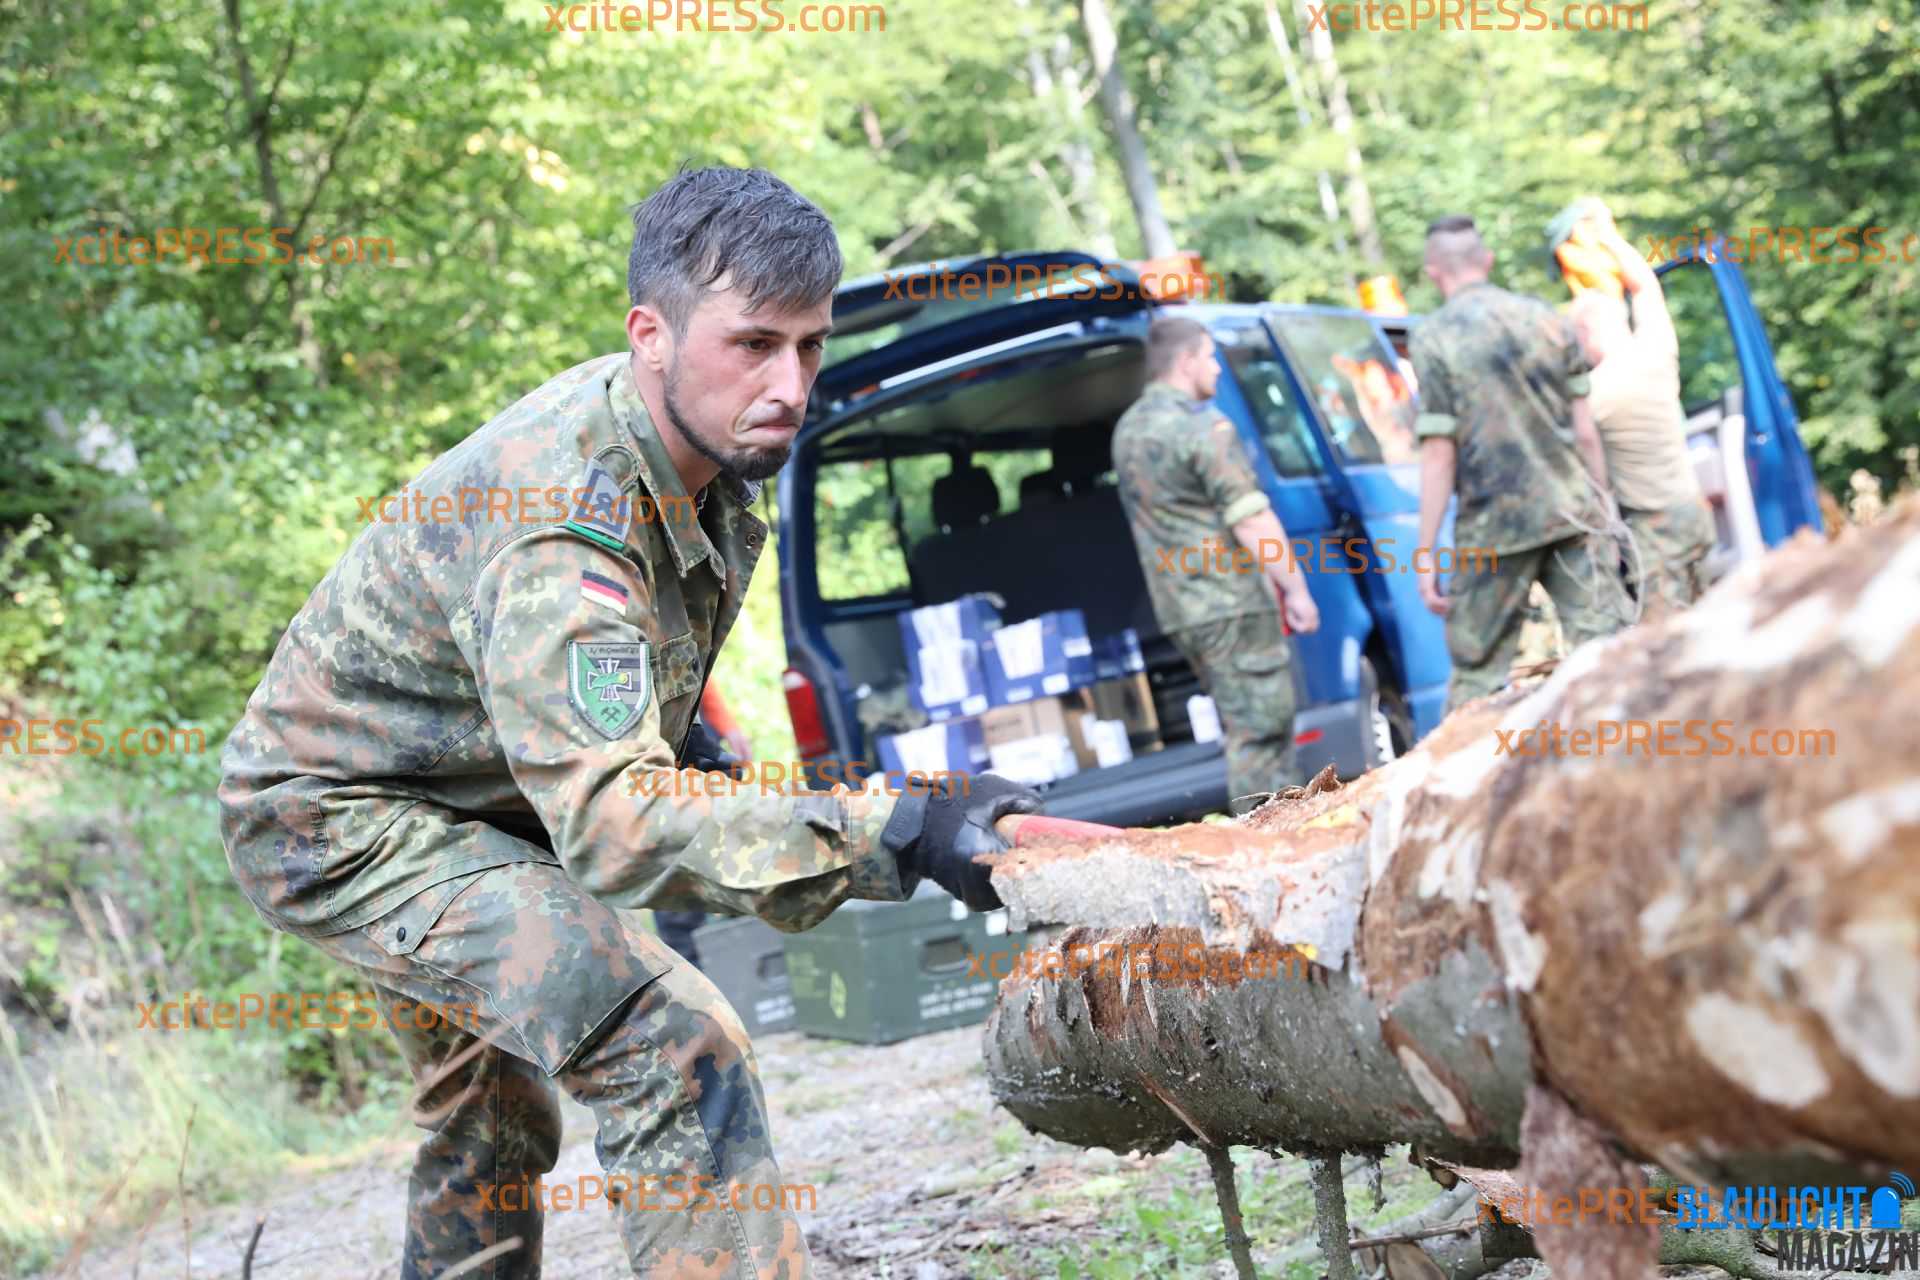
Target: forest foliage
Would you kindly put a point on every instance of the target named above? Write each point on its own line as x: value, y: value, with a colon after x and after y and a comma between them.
x: 191, y: 442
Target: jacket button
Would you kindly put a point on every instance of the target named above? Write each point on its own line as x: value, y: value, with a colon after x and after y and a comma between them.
x: 402, y: 935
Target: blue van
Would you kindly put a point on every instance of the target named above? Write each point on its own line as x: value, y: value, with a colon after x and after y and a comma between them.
x: 957, y: 445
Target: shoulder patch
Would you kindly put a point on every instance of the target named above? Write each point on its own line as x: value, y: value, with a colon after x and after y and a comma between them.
x: 619, y: 460
x: 609, y: 684
x: 604, y: 510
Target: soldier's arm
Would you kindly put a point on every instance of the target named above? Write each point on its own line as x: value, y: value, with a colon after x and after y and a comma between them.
x: 1437, y: 429
x: 1586, y: 437
x: 1437, y: 462
x: 1218, y: 460
x: 585, y: 747
x: 1651, y: 322
x: 1575, y: 369
x: 1264, y: 535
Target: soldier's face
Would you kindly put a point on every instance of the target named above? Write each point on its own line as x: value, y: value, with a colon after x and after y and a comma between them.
x: 1203, y: 371
x: 736, y: 384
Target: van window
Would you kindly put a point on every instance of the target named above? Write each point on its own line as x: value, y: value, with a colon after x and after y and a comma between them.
x: 1263, y: 381
x: 1708, y: 363
x: 1363, y: 398
x: 858, y: 552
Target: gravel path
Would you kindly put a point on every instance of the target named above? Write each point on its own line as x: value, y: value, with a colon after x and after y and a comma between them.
x: 916, y: 1171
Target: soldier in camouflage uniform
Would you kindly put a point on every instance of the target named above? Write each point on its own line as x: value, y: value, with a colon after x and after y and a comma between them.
x: 458, y: 769
x: 1186, y: 485
x: 1504, y: 425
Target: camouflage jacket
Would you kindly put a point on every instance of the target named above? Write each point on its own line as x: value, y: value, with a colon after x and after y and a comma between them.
x: 1498, y: 374
x: 1184, y: 482
x: 533, y: 672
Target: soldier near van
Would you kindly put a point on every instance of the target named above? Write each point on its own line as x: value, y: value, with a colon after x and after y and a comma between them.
x: 1185, y: 483
x: 1504, y: 427
x: 459, y: 768
x: 1635, y: 399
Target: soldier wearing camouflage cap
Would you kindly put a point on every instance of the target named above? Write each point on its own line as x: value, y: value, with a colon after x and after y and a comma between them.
x: 459, y: 765
x: 1187, y: 486
x: 1504, y: 425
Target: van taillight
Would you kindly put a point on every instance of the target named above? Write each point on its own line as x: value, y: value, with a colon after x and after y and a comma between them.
x: 803, y: 709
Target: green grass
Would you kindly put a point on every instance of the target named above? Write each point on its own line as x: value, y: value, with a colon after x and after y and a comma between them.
x: 1163, y: 1221
x: 114, y: 892
x: 109, y: 1131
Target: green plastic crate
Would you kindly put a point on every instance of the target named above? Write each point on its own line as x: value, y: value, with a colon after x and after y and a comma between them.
x: 747, y: 959
x: 878, y: 972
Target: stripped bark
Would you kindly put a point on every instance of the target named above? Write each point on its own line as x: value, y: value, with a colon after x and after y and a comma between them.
x: 1709, y: 961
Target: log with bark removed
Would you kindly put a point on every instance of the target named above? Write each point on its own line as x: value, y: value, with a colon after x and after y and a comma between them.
x: 1708, y: 958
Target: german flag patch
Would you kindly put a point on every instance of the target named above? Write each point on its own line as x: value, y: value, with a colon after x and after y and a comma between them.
x: 603, y: 590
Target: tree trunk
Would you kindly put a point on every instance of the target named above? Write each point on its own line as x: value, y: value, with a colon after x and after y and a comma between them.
x: 1329, y: 204
x: 1711, y: 961
x: 1056, y: 82
x: 1078, y: 153
x: 1117, y: 104
x: 1333, y: 88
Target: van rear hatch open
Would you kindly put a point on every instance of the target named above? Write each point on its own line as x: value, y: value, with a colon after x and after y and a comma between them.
x: 971, y: 454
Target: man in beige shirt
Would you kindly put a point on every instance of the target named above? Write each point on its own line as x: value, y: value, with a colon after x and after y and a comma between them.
x: 1635, y: 398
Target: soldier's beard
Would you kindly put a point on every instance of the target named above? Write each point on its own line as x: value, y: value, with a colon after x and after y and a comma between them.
x: 743, y: 462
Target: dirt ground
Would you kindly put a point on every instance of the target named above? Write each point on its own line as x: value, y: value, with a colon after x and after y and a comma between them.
x: 919, y: 1176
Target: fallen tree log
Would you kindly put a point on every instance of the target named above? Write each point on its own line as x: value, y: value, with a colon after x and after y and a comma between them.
x: 1708, y: 958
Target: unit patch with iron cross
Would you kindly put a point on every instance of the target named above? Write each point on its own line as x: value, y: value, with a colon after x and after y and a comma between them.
x: 609, y: 684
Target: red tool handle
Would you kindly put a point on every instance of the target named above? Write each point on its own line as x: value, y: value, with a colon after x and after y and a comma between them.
x: 1024, y: 828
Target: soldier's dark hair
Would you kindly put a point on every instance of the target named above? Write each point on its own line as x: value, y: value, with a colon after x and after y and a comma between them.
x: 1451, y: 223
x: 1169, y: 338
x: 1454, y: 244
x: 771, y: 242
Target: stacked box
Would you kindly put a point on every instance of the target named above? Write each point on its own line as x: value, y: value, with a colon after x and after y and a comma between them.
x: 747, y: 959
x: 1036, y: 742
x: 1042, y: 656
x: 1117, y: 656
x: 1130, y: 701
x: 878, y: 972
x: 946, y: 674
x: 955, y: 746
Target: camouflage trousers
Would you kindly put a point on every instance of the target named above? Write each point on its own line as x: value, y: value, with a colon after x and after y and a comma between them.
x: 540, y: 980
x: 1246, y: 665
x: 1672, y: 546
x: 1483, y: 626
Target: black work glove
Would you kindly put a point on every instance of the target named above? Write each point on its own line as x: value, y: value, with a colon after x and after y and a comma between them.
x: 706, y: 752
x: 937, y: 834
